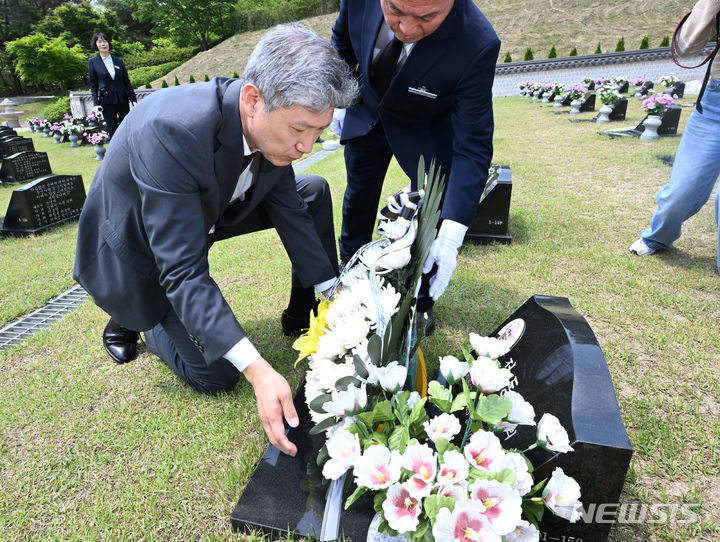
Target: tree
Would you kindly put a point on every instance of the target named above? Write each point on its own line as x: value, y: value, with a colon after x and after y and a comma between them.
x: 133, y: 30
x: 620, y: 45
x: 528, y: 54
x: 573, y: 52
x: 177, y: 81
x: 76, y: 23
x: 164, y: 84
x: 552, y: 53
x: 192, y: 79
x: 206, y: 78
x: 645, y: 43
x: 665, y: 42
x: 200, y: 22
x: 508, y: 58
x: 39, y: 59
x: 598, y: 50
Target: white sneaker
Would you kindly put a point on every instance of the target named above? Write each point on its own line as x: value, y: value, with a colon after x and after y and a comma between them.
x: 639, y: 248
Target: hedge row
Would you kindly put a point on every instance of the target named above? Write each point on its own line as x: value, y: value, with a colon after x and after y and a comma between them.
x: 139, y: 77
x: 158, y: 56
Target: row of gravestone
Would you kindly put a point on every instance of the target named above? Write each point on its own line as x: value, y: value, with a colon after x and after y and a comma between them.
x: 47, y: 200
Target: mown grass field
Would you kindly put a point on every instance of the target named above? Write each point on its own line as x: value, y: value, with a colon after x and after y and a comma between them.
x: 94, y: 451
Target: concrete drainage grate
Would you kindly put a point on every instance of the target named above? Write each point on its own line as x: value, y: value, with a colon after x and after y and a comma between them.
x: 16, y: 332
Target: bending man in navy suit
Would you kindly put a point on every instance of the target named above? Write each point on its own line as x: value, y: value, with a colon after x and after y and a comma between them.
x: 437, y: 104
x: 200, y: 163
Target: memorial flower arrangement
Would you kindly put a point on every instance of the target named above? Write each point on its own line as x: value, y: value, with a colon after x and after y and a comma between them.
x: 97, y: 138
x: 608, y: 94
x: 618, y: 80
x: 56, y: 128
x: 576, y: 92
x: 668, y: 80
x: 546, y: 87
x: 587, y: 80
x: 638, y: 81
x: 74, y: 129
x: 657, y: 104
x: 434, y: 463
x: 558, y: 88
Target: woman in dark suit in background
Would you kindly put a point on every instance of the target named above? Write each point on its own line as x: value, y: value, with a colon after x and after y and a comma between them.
x: 109, y: 83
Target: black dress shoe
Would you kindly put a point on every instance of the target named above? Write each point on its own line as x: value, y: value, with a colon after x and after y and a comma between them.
x: 120, y: 343
x: 294, y: 326
x: 425, y: 323
x: 430, y: 323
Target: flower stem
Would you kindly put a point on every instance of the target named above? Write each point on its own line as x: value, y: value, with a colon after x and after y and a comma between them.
x: 362, y: 429
x: 532, y: 446
x: 469, y: 423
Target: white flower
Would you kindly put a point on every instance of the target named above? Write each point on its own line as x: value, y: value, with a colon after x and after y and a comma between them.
x: 484, y: 451
x: 453, y: 369
x: 391, y: 377
x: 454, y: 468
x: 521, y: 413
x: 503, y: 507
x: 331, y: 345
x: 466, y: 520
x: 523, y: 479
x: 350, y: 330
x: 377, y: 468
x: 389, y: 300
x: 486, y: 375
x: 524, y: 532
x: 401, y: 509
x: 348, y: 402
x: 489, y: 346
x: 445, y: 426
x: 552, y: 435
x: 393, y: 229
x: 422, y: 462
x: 343, y: 448
x: 562, y: 496
x: 455, y: 491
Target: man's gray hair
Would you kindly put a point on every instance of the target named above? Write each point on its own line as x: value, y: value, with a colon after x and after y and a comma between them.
x: 291, y: 65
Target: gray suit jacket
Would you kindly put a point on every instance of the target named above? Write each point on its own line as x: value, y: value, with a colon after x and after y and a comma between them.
x: 165, y: 182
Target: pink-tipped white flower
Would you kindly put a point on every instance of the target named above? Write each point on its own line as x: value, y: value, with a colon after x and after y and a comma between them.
x: 455, y: 491
x: 552, y: 435
x: 522, y: 412
x: 466, y: 523
x: 392, y: 376
x: 343, y: 448
x: 454, y: 468
x: 562, y: 496
x: 422, y: 462
x: 489, y: 346
x: 453, y: 369
x: 524, y: 532
x: 401, y: 509
x: 445, y: 425
x: 523, y: 479
x: 348, y: 402
x: 503, y: 507
x: 487, y: 376
x: 377, y: 468
x: 485, y: 452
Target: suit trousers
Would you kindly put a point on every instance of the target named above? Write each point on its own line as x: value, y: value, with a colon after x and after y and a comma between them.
x: 171, y: 342
x: 114, y: 114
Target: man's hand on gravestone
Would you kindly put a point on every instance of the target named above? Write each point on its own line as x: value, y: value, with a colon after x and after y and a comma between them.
x: 443, y: 253
x: 274, y: 401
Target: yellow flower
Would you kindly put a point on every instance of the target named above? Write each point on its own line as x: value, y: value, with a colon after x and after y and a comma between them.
x: 307, y: 343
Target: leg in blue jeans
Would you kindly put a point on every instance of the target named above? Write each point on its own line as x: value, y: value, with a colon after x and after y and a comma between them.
x: 694, y: 173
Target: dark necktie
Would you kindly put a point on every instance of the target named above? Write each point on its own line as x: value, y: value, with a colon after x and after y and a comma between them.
x: 385, y: 65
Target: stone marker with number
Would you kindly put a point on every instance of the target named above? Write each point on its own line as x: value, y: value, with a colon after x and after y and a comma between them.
x: 43, y: 203
x: 491, y: 218
x: 23, y: 166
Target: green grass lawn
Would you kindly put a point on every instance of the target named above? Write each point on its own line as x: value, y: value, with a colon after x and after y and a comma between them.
x: 95, y: 451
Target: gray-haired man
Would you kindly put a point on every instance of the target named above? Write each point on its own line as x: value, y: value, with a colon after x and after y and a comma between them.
x: 196, y: 164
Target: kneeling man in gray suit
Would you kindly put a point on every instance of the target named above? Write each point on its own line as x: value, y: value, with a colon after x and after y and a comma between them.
x: 199, y: 163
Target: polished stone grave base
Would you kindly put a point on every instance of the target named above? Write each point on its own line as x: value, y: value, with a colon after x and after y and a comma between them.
x: 668, y: 128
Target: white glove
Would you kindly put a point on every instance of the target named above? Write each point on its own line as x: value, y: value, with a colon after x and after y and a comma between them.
x: 336, y: 125
x: 443, y: 252
x: 97, y: 109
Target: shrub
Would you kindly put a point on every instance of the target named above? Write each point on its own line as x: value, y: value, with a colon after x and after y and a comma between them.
x: 177, y: 82
x: 159, y: 55
x: 573, y: 52
x: 598, y: 50
x: 57, y: 110
x: 192, y: 79
x: 207, y: 78
x: 645, y: 43
x: 665, y: 42
x: 620, y: 45
x: 235, y: 75
x: 508, y: 58
x: 528, y: 54
x: 142, y: 76
x: 552, y: 53
x: 148, y: 85
x: 164, y: 84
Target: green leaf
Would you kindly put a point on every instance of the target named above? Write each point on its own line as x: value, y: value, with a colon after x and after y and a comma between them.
x: 343, y: 383
x: 374, y: 349
x: 323, y: 425
x: 383, y: 412
x: 505, y: 476
x: 366, y: 418
x: 323, y: 456
x: 493, y: 408
x: 317, y: 403
x: 533, y: 511
x: 359, y: 492
x: 458, y: 403
x: 360, y: 368
x: 379, y: 438
x: 433, y: 504
x: 441, y: 445
x: 378, y: 500
x: 418, y: 412
x: 399, y: 439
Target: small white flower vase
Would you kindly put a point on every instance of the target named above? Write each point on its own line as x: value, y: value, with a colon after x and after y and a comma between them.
x: 558, y: 102
x: 374, y: 535
x: 546, y: 97
x: 536, y: 95
x: 46, y: 131
x: 604, y: 114
x: 57, y: 137
x: 99, y: 152
x: 73, y: 140
x: 651, y: 124
x: 638, y: 89
x: 575, y: 107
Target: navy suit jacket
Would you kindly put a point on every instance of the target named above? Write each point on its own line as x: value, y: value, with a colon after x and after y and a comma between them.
x: 457, y: 64
x: 105, y: 89
x: 163, y: 188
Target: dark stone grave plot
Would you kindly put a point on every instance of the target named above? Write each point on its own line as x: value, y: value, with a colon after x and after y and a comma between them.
x: 14, y: 145
x: 588, y: 102
x: 43, y: 203
x: 560, y: 369
x: 678, y: 88
x: 620, y: 110
x: 24, y: 166
x: 566, y: 99
x: 591, y: 86
x: 668, y: 128
x: 6, y: 130
x: 645, y: 87
x: 624, y: 87
x: 491, y: 218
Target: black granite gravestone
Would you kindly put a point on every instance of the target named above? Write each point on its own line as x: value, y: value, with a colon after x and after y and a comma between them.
x: 566, y: 99
x: 647, y: 85
x: 620, y: 110
x: 677, y: 88
x: 668, y: 127
x: 624, y: 87
x: 588, y: 102
x: 6, y: 130
x: 24, y: 166
x: 14, y: 145
x: 491, y: 218
x: 43, y: 203
x: 560, y: 369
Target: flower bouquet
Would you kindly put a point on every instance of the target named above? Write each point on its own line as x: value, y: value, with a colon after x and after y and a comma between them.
x: 657, y: 104
x: 97, y: 138
x: 576, y: 92
x: 74, y: 129
x: 608, y: 94
x: 668, y: 80
x: 638, y: 81
x: 558, y: 88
